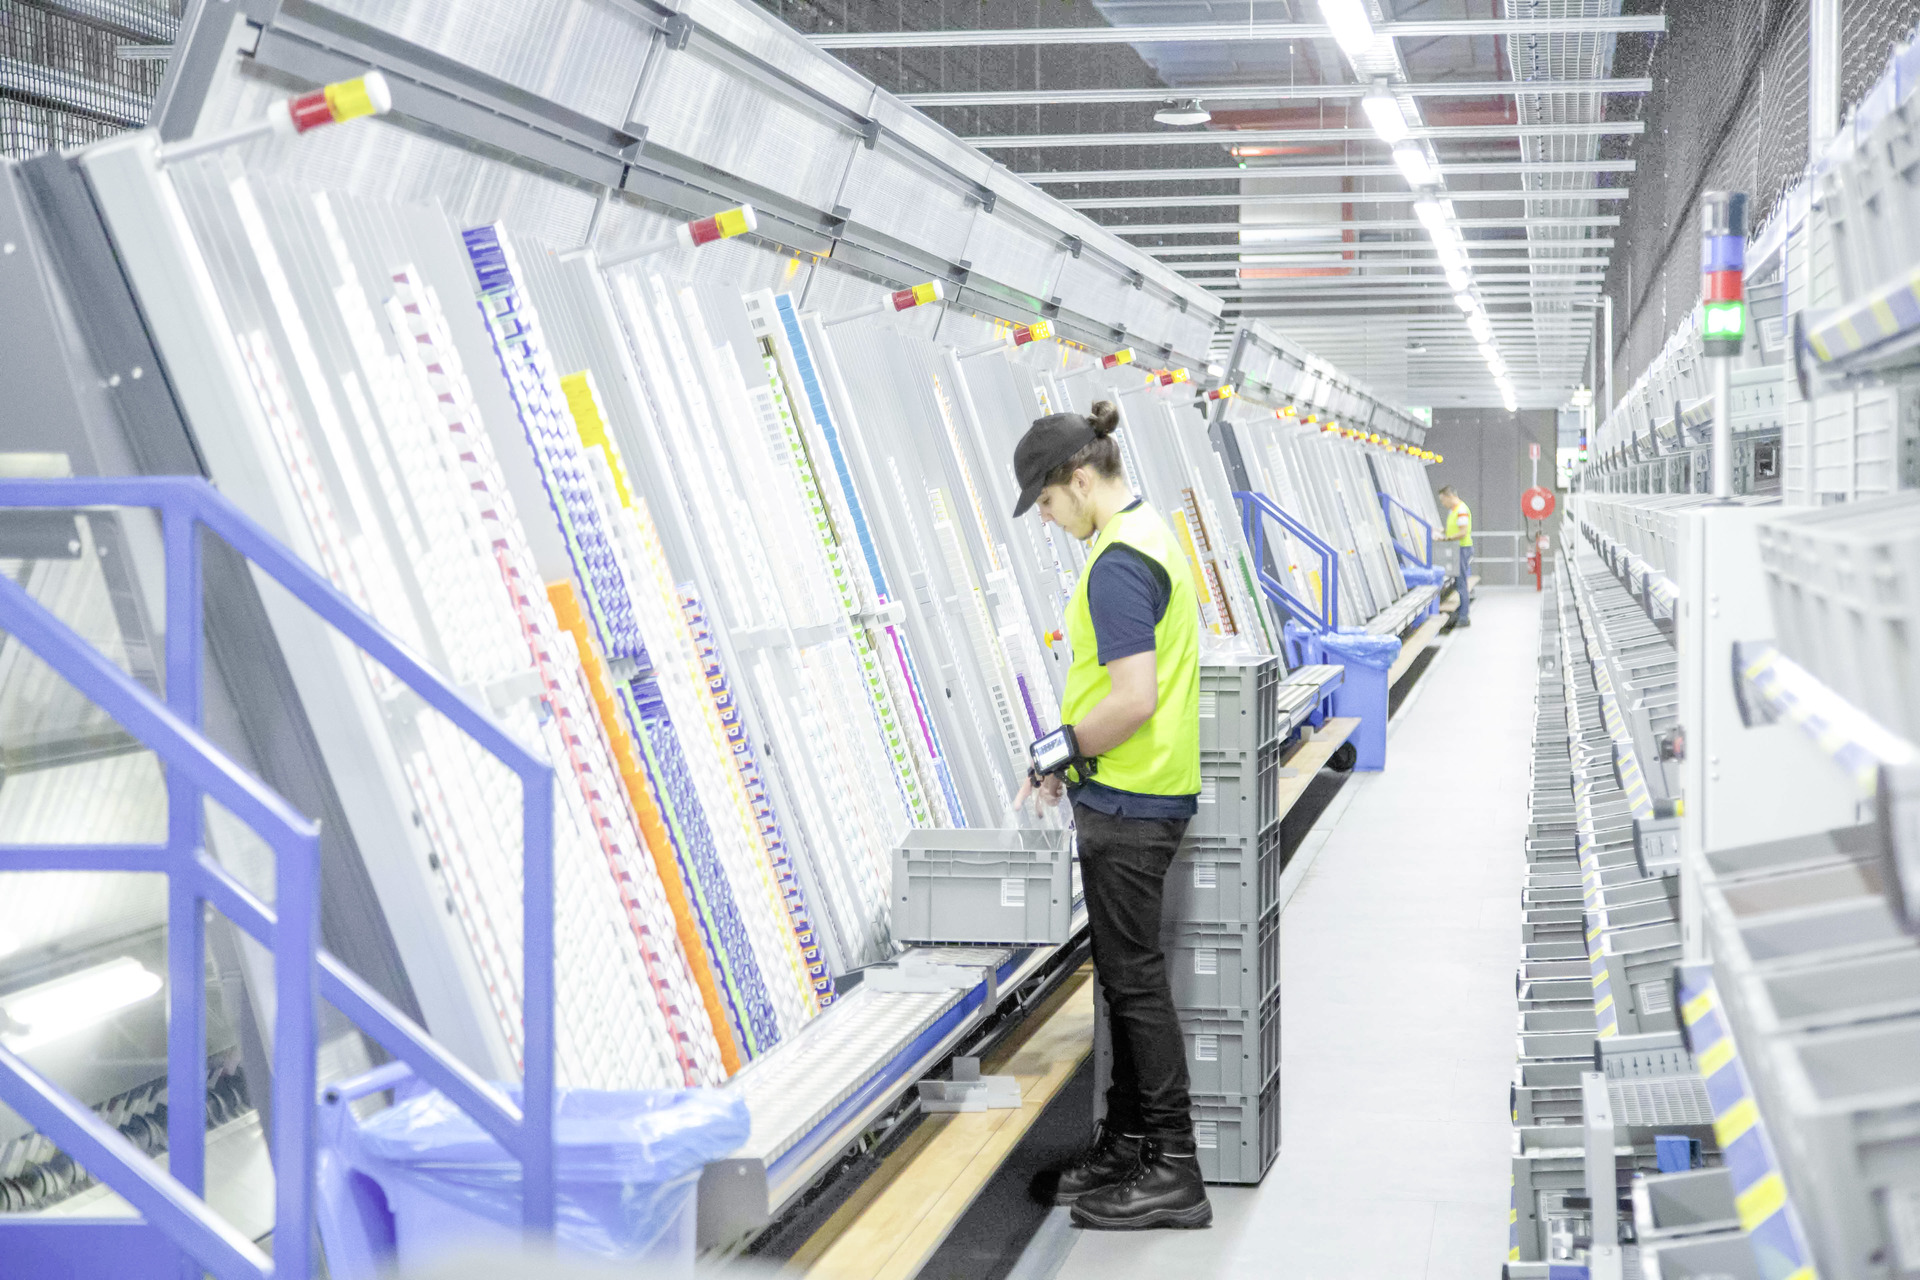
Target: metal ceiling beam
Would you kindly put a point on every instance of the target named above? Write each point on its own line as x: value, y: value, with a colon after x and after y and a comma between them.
x: 1451, y: 323
x: 1441, y: 295
x: 1337, y: 197
x: 1334, y: 229
x: 1439, y: 327
x: 1429, y: 272
x: 1262, y: 137
x: 1241, y: 310
x: 1237, y: 32
x: 1282, y: 284
x: 1217, y: 173
x: 1318, y: 251
x: 1274, y: 92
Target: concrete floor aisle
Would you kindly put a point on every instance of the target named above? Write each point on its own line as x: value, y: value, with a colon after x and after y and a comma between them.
x: 1398, y: 956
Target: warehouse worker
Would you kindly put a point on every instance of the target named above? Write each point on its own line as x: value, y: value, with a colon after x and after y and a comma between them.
x: 1460, y: 531
x: 1129, y: 757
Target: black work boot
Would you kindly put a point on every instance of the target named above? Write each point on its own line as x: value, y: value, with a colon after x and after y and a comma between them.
x: 1111, y: 1157
x: 1164, y: 1191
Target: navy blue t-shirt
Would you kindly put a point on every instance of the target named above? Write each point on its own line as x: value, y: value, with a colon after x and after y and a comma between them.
x: 1127, y: 595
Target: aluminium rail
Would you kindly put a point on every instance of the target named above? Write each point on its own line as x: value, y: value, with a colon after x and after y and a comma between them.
x: 171, y: 1201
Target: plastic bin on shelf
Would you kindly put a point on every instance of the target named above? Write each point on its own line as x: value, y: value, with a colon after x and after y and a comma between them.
x: 1223, y: 966
x: 1237, y: 1135
x: 1844, y: 583
x: 1239, y: 792
x: 421, y: 1181
x: 1232, y: 1050
x: 984, y: 886
x: 1239, y: 703
x: 1224, y: 879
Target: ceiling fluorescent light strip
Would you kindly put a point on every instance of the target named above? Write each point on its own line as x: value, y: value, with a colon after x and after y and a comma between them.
x: 1351, y: 25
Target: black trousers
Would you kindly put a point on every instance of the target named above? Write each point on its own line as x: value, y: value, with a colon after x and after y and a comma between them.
x: 1123, y: 871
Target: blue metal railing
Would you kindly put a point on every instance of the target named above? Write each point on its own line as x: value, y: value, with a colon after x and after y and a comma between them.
x: 1387, y: 505
x: 1325, y: 616
x: 172, y: 1200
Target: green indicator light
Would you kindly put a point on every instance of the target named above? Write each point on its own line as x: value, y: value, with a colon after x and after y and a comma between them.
x: 1724, y: 320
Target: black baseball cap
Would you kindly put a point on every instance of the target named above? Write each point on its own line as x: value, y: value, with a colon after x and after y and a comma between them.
x: 1049, y: 443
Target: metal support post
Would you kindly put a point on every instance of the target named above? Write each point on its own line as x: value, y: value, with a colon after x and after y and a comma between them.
x: 1606, y: 312
x: 1722, y: 465
x: 1723, y: 315
x: 1603, y: 1188
x: 1823, y: 75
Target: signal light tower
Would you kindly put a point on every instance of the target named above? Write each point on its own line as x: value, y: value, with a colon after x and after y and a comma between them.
x: 1723, y: 314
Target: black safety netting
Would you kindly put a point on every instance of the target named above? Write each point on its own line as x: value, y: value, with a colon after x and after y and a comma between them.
x: 66, y: 80
x: 1728, y: 111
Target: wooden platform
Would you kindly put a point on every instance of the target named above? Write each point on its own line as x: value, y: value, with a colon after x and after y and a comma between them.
x: 1311, y: 756
x: 1415, y: 643
x: 893, y: 1224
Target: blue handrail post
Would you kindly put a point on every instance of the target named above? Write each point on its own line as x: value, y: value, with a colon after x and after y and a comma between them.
x: 186, y: 917
x: 296, y: 989
x: 1387, y: 504
x: 537, y: 1089
x: 171, y: 1201
x: 1327, y: 616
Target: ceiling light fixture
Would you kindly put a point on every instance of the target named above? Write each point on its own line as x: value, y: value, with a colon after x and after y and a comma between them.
x: 53, y: 1010
x: 1415, y: 167
x: 1384, y: 114
x: 1192, y: 113
x: 1464, y: 301
x: 1352, y: 27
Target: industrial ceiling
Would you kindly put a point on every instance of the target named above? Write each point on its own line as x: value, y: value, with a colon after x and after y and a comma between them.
x: 1421, y: 191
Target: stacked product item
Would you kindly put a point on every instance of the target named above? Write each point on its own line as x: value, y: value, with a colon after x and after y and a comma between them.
x: 1220, y: 929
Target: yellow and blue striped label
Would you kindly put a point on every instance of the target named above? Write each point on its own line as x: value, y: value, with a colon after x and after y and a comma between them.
x: 1760, y: 1193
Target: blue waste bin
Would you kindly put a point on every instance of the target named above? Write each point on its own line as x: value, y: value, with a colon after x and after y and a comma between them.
x: 1363, y: 693
x: 422, y: 1181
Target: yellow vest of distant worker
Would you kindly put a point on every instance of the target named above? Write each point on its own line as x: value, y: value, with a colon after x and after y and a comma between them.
x: 1460, y: 524
x: 1162, y: 758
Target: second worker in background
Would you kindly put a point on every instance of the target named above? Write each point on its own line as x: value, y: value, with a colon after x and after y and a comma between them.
x: 1459, y: 531
x: 1128, y: 755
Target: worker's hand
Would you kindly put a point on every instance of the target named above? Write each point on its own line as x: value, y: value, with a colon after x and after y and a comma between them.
x: 1047, y: 793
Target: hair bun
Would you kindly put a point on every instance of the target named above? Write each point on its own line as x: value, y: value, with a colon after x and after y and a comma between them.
x: 1104, y: 418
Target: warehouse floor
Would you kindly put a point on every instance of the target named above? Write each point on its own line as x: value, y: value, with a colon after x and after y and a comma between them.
x: 1399, y: 949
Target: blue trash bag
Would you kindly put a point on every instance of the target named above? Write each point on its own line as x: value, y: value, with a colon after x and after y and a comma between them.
x: 1420, y: 575
x: 623, y: 1161
x: 1361, y: 649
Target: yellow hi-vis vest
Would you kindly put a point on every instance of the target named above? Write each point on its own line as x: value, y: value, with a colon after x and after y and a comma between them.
x: 1162, y: 758
x: 1460, y: 524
